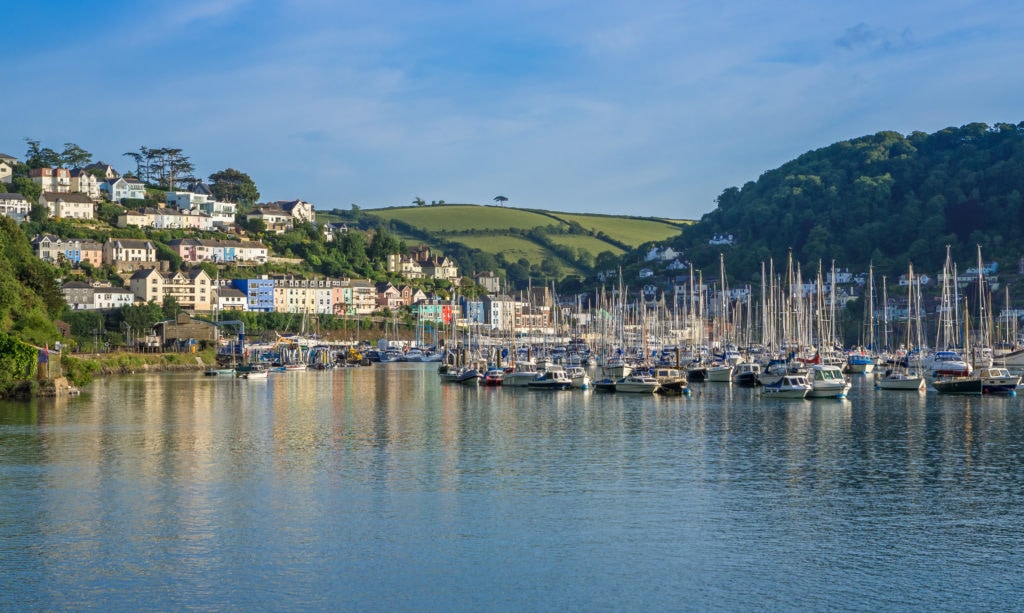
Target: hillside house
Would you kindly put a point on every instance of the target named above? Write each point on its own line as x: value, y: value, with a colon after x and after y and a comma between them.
x: 84, y: 182
x: 67, y: 205
x: 56, y: 180
x: 126, y: 254
x: 192, y: 290
x: 123, y: 188
x: 55, y: 250
x: 15, y: 206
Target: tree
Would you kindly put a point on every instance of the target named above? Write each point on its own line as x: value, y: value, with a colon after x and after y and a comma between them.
x: 27, y: 188
x: 39, y: 213
x: 40, y: 157
x: 501, y: 200
x: 232, y: 185
x: 74, y: 156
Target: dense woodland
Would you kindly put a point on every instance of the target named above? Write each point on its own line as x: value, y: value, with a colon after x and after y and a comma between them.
x: 882, y: 199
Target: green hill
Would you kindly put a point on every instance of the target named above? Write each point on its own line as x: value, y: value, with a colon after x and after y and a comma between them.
x: 882, y: 199
x: 525, y: 244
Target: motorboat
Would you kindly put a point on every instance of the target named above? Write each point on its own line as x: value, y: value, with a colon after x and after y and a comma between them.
x: 671, y: 381
x: 521, y: 374
x: 827, y: 381
x: 998, y: 380
x: 946, y: 364
x: 900, y: 380
x: 788, y: 386
x: 860, y: 361
x: 747, y: 374
x: 468, y: 376
x: 579, y: 376
x: 606, y: 384
x: 493, y: 377
x: 551, y: 379
x: 252, y: 371
x: 637, y: 383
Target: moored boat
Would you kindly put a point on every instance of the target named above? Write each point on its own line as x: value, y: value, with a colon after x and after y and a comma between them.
x: 521, y: 375
x: 580, y: 378
x: 788, y: 386
x: 552, y: 379
x: 637, y: 383
x: 671, y: 381
x: 747, y: 374
x: 493, y: 377
x: 827, y: 382
x: 958, y: 385
x: 998, y: 380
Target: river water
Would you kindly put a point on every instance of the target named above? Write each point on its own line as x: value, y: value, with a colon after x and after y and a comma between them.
x: 380, y: 489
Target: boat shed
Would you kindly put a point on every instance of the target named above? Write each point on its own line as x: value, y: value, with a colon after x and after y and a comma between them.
x: 183, y: 329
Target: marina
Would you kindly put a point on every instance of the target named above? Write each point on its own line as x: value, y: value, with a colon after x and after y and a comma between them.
x: 383, y: 488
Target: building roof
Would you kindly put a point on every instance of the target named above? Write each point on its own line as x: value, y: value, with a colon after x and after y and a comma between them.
x: 67, y: 197
x: 132, y: 243
x: 12, y: 196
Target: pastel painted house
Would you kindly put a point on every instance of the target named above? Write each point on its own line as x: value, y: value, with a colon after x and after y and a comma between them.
x: 123, y: 188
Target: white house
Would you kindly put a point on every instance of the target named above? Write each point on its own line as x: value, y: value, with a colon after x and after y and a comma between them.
x: 665, y: 254
x: 57, y: 180
x: 15, y: 206
x: 6, y: 172
x: 84, y: 182
x: 722, y: 239
x: 67, y: 205
x: 123, y: 188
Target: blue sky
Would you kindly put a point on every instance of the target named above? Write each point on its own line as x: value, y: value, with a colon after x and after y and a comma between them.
x: 642, y: 107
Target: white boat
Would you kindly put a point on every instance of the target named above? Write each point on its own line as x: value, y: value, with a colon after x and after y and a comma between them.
x: 615, y: 368
x: 900, y: 380
x: 521, y: 375
x: 827, y: 382
x: 947, y: 364
x: 551, y: 379
x: 637, y: 383
x: 579, y: 376
x: 720, y: 373
x: 789, y: 386
x: 253, y: 371
x: 998, y: 380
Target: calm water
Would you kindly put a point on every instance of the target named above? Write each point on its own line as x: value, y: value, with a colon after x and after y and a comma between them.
x: 379, y: 489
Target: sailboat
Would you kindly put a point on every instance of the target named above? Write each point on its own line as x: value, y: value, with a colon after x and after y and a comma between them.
x: 901, y: 377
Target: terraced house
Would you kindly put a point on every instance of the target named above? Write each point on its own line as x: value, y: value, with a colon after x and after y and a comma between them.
x: 56, y: 250
x: 219, y: 251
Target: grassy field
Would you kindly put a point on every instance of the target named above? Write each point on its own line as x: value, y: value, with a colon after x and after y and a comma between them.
x: 513, y: 247
x: 460, y: 217
x: 629, y: 230
x: 591, y: 244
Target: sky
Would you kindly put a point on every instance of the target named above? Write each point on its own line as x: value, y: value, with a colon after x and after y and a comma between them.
x: 645, y: 107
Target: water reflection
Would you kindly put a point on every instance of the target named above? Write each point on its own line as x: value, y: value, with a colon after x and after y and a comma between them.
x: 362, y: 487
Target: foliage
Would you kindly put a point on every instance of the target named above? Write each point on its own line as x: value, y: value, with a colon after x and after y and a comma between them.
x: 72, y: 156
x: 881, y: 199
x: 27, y: 188
x: 163, y: 166
x: 17, y: 361
x: 232, y: 185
